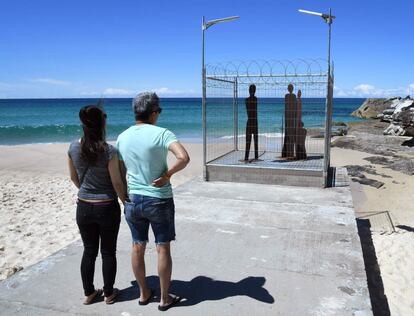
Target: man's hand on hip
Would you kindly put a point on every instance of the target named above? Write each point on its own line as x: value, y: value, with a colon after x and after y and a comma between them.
x: 161, y: 181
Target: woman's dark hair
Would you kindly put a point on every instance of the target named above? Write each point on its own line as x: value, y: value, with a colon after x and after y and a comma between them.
x: 93, y: 141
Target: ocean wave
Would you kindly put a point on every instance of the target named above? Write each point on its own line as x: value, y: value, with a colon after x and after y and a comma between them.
x: 27, y: 134
x: 266, y: 135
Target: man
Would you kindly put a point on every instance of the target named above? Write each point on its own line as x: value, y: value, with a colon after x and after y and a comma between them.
x: 143, y: 150
x: 251, y: 125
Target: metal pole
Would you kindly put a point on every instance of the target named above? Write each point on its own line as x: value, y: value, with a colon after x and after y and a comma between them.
x: 328, y: 107
x: 236, y: 115
x: 203, y: 103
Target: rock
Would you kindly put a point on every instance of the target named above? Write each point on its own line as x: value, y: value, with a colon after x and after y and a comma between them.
x: 12, y: 270
x: 396, y: 111
x: 394, y: 130
x: 357, y: 171
x: 409, y: 131
x: 379, y: 160
x: 402, y: 164
x: 339, y: 129
x: 371, y: 108
x: 370, y: 182
x: 357, y: 176
x: 339, y: 124
x: 400, y: 115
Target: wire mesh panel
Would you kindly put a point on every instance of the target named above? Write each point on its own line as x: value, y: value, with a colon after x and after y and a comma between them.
x: 220, y: 118
x: 267, y: 115
x: 278, y: 118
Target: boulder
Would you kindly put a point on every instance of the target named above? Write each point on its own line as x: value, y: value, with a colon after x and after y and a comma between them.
x: 400, y: 115
x: 339, y: 129
x: 371, y: 108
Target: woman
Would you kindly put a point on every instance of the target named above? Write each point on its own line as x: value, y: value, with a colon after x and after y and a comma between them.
x: 300, y: 148
x: 94, y: 169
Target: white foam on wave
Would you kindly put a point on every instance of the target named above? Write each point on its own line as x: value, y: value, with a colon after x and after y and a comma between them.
x: 266, y: 135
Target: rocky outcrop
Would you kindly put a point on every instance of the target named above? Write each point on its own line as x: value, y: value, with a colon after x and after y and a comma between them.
x: 398, y: 112
x: 400, y: 115
x: 390, y: 152
x: 371, y: 108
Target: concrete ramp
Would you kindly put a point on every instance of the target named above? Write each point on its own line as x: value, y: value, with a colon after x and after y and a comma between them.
x: 241, y: 249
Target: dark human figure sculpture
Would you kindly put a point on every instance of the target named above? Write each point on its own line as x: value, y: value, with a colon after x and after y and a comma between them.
x: 299, y: 107
x: 288, y: 150
x: 300, y: 149
x: 251, y: 125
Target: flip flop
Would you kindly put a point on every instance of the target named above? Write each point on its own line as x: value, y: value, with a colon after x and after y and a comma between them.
x: 175, y: 301
x: 112, y: 298
x: 92, y: 298
x: 142, y: 303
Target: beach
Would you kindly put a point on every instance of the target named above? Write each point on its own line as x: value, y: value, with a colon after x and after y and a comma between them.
x: 394, y: 250
x: 37, y: 216
x: 38, y: 202
x: 384, y: 160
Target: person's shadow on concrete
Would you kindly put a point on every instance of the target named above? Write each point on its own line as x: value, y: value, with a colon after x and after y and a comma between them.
x: 203, y: 288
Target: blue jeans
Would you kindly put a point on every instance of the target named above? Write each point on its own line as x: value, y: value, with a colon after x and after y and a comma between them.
x: 144, y: 211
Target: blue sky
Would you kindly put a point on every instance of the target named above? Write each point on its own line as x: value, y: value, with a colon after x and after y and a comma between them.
x: 72, y: 48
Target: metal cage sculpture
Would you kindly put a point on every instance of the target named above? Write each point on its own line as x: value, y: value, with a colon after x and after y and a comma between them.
x: 225, y: 87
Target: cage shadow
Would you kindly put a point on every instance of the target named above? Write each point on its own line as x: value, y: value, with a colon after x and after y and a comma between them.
x: 379, y: 300
x: 407, y: 228
x: 309, y: 158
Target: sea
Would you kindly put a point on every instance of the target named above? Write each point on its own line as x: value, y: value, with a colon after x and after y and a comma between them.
x: 29, y: 121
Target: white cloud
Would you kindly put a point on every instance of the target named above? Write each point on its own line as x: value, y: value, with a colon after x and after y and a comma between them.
x: 341, y: 93
x: 117, y: 91
x: 51, y: 81
x: 365, y: 88
x: 164, y: 91
x: 410, y: 89
x: 89, y: 93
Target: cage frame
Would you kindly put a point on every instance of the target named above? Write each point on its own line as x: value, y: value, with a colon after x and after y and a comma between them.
x: 240, y: 72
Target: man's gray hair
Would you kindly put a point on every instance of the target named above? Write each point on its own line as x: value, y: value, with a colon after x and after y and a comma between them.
x: 144, y: 104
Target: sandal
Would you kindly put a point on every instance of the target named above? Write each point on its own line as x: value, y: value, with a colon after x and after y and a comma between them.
x: 112, y: 298
x: 92, y: 298
x: 142, y: 303
x: 175, y: 301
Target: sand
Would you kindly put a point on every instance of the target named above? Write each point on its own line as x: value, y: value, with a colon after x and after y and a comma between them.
x: 394, y: 250
x: 38, y: 202
x: 37, y: 215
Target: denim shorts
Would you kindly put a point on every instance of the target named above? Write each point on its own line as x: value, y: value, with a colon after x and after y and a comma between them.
x: 144, y: 211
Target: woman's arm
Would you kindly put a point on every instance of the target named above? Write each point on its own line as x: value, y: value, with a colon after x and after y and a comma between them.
x: 123, y: 171
x: 115, y: 174
x: 73, y: 174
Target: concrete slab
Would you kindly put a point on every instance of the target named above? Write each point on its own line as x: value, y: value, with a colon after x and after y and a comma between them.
x: 271, y: 169
x: 241, y: 249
